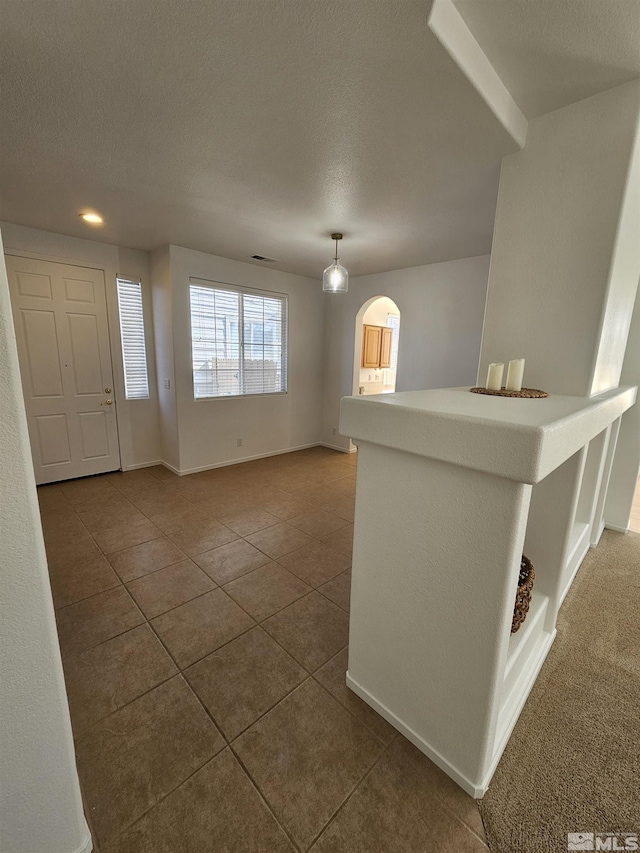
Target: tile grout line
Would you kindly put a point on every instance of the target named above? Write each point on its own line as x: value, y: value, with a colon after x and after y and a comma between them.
x: 261, y: 795
x: 185, y: 678
x: 348, y: 710
x: 129, y: 826
x: 148, y: 621
x: 344, y: 802
x: 180, y: 670
x: 178, y: 674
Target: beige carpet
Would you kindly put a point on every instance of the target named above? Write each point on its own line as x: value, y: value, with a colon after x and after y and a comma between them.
x: 573, y: 761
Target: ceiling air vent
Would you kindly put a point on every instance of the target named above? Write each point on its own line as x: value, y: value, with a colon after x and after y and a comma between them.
x: 263, y: 259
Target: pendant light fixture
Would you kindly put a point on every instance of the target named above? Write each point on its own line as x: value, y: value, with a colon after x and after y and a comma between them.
x: 335, y: 278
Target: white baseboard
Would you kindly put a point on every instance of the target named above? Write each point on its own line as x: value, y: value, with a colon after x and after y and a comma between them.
x: 451, y: 771
x: 597, y: 536
x: 575, y: 559
x: 228, y: 462
x: 506, y: 723
x: 617, y: 529
x: 335, y: 447
x: 143, y: 465
x: 512, y: 709
x: 87, y: 843
x: 171, y: 468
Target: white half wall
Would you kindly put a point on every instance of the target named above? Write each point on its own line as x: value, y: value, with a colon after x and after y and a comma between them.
x: 138, y: 429
x: 207, y: 430
x: 442, y: 309
x: 40, y: 802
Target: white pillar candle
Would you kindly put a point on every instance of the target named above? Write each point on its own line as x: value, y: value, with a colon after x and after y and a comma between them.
x: 494, y: 377
x: 515, y: 372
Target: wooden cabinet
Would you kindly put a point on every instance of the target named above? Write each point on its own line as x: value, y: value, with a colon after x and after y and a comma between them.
x: 371, y: 341
x: 376, y: 346
x: 385, y: 347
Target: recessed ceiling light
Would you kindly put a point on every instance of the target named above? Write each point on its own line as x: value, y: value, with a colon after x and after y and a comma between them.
x: 93, y: 218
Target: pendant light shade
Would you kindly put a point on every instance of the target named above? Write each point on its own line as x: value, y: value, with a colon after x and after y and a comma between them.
x: 335, y: 278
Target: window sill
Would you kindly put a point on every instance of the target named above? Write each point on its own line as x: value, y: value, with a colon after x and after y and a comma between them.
x: 240, y: 397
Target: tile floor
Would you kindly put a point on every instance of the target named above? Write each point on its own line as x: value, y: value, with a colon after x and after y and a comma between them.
x: 203, y: 623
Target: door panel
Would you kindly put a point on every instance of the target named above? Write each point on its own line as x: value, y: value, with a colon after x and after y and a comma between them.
x: 85, y: 354
x: 95, y: 436
x: 60, y: 316
x: 53, y: 439
x: 371, y: 346
x: 43, y: 361
x: 385, y: 347
x: 31, y: 284
x: 77, y: 290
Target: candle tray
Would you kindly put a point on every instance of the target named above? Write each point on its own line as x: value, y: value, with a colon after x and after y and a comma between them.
x: 523, y: 595
x: 524, y: 393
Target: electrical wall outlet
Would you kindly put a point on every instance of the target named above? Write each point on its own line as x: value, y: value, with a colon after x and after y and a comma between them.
x: 335, y: 431
x: 238, y: 442
x: 167, y: 384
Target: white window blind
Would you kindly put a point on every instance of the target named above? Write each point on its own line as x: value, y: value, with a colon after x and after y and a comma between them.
x: 134, y: 353
x: 238, y: 342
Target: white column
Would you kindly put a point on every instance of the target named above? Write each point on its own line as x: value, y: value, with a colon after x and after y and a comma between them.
x: 565, y: 260
x: 626, y: 464
x: 40, y: 803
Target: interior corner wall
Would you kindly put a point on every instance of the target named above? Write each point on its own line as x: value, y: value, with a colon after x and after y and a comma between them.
x: 144, y: 425
x: 623, y: 278
x: 377, y: 313
x: 441, y: 314
x: 626, y: 463
x: 162, y: 297
x: 565, y: 258
x: 40, y: 803
x: 138, y: 431
x: 207, y: 430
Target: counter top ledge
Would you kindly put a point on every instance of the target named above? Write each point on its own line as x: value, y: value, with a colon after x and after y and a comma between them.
x: 519, y: 439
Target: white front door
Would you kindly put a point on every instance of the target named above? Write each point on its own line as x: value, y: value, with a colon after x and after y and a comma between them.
x: 60, y: 317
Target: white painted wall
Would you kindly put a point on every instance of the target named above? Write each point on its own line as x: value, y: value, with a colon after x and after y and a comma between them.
x: 207, y: 429
x: 376, y: 314
x: 626, y: 463
x: 439, y: 342
x: 623, y: 276
x: 441, y: 307
x: 40, y: 803
x: 566, y: 255
x: 138, y: 428
x: 163, y: 335
x: 144, y: 426
x: 383, y: 378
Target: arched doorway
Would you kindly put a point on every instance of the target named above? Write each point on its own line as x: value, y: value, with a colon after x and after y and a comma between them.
x: 377, y: 335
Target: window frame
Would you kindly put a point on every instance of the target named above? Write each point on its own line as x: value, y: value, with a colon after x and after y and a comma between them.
x: 128, y: 280
x: 248, y: 291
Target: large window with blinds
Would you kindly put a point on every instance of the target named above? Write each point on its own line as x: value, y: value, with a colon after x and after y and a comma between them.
x: 238, y: 341
x: 134, y: 352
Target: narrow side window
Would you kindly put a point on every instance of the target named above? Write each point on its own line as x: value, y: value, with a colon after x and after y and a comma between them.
x: 134, y: 353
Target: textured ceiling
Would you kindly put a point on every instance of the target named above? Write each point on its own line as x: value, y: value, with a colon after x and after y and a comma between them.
x: 250, y: 126
x: 550, y: 53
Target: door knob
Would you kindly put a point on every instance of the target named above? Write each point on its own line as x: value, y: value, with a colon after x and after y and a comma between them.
x: 109, y: 402
x: 107, y: 390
